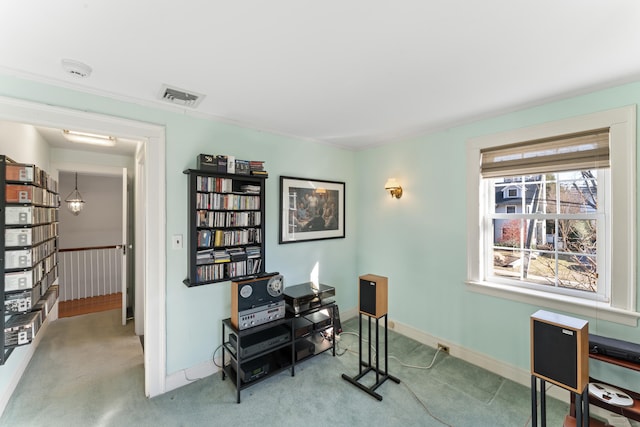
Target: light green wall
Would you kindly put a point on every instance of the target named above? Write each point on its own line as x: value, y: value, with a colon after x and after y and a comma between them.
x: 194, y: 314
x: 419, y: 241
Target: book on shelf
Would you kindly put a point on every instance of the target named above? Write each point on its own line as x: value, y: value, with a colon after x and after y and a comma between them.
x: 204, y: 238
x: 220, y: 256
x: 242, y: 167
x: 204, y: 256
x: 253, y: 251
x: 231, y: 164
x: 256, y: 165
x: 250, y: 189
x: 237, y: 254
x: 207, y: 162
x: 222, y: 163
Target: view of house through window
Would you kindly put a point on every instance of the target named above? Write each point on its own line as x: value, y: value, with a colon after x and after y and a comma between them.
x: 552, y: 215
x: 545, y: 229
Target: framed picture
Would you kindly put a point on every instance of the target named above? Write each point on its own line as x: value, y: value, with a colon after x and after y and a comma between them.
x: 310, y: 209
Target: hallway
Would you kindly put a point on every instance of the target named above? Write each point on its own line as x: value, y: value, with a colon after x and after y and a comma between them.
x: 81, y: 306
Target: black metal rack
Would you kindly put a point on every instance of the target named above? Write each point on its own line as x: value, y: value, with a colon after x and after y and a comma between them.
x: 270, y: 355
x: 280, y: 356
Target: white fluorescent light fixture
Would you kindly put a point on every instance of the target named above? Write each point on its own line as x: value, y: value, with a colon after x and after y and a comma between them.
x: 89, y: 138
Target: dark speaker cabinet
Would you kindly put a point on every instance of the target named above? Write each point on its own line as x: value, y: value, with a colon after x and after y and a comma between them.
x: 560, y: 350
x: 372, y: 294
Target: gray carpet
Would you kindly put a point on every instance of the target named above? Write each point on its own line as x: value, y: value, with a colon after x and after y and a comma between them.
x: 88, y: 371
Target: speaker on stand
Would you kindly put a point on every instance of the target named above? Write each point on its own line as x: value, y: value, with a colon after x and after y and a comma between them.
x: 372, y: 300
x: 559, y: 355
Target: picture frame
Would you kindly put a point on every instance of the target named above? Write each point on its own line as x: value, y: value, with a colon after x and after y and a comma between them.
x: 311, y: 209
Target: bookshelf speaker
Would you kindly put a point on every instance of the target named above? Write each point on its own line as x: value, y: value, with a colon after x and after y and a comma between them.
x: 560, y: 350
x: 372, y: 294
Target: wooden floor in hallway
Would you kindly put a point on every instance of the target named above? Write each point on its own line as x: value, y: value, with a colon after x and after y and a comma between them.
x: 80, y: 306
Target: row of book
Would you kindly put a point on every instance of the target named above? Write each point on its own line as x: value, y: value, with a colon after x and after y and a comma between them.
x: 221, y: 271
x: 27, y: 236
x: 228, y: 219
x: 212, y: 183
x: 21, y: 329
x: 44, y: 274
x: 220, y: 255
x: 27, y: 258
x: 16, y: 172
x: 229, y: 164
x: 227, y: 201
x: 26, y: 193
x: 29, y: 215
x: 218, y: 238
x: 217, y: 256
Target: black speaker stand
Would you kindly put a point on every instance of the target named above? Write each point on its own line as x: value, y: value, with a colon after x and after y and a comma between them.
x: 381, y: 376
x: 581, y: 403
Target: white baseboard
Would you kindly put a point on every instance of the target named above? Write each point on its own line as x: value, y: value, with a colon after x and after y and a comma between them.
x: 189, y: 375
x: 498, y: 367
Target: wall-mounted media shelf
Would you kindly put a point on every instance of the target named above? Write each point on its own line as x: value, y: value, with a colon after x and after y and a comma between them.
x: 29, y: 204
x: 226, y: 226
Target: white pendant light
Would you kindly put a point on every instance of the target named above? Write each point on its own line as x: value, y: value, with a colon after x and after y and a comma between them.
x: 74, y: 200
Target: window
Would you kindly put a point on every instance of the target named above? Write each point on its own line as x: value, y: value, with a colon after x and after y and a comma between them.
x: 553, y: 246
x: 555, y: 223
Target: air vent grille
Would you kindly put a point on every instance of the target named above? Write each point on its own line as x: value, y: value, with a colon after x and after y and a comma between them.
x: 180, y: 96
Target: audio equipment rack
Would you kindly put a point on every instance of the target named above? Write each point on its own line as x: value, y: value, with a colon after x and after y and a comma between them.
x: 269, y: 353
x: 632, y: 412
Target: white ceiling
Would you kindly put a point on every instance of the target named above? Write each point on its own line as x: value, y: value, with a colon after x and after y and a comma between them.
x: 354, y: 73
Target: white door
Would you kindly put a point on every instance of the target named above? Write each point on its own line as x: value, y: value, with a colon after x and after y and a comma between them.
x: 139, y: 238
x: 125, y: 242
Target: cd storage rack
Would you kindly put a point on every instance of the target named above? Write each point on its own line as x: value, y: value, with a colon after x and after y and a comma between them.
x: 226, y: 226
x: 29, y: 204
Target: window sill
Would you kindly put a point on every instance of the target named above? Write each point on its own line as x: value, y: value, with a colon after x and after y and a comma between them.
x: 563, y: 303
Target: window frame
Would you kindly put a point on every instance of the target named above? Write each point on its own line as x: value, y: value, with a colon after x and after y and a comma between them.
x: 620, y: 256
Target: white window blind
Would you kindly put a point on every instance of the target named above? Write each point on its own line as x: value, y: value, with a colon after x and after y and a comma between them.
x: 578, y: 151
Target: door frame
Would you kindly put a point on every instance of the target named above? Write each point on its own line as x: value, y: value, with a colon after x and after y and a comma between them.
x: 153, y: 213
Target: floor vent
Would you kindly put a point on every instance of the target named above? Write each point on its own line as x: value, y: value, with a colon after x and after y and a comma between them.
x: 180, y: 96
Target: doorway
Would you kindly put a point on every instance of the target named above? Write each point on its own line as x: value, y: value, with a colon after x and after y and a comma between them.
x: 95, y: 264
x: 149, y: 215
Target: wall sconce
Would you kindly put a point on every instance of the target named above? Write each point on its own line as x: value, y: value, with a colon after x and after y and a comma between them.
x: 394, y: 188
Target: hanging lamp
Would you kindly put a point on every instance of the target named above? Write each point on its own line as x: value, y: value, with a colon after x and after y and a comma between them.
x: 74, y: 200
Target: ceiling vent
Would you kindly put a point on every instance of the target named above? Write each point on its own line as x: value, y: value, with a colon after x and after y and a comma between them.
x: 180, y: 96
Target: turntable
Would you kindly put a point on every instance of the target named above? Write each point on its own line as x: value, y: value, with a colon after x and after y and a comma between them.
x: 305, y: 296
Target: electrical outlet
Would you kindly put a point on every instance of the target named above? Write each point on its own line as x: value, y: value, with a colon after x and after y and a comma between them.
x: 443, y: 348
x: 392, y: 324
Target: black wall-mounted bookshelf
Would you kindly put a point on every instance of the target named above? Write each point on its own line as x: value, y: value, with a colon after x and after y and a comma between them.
x: 29, y: 204
x: 226, y: 226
